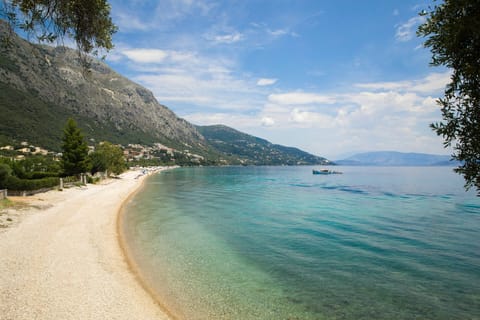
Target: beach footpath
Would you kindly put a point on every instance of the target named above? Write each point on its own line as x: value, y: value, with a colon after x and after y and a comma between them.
x: 63, y: 259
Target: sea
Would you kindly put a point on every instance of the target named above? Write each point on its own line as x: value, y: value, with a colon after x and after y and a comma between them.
x: 282, y: 243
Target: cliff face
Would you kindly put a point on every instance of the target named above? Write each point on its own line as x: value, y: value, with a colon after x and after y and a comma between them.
x: 52, y: 83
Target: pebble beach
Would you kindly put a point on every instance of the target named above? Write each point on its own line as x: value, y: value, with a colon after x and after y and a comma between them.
x: 61, y: 258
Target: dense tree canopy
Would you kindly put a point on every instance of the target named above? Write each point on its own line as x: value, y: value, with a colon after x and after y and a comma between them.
x: 75, y: 150
x: 108, y: 157
x: 452, y: 30
x: 88, y: 22
x: 5, y: 171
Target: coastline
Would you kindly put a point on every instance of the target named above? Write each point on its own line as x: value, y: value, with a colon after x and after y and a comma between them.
x: 64, y: 259
x: 132, y: 265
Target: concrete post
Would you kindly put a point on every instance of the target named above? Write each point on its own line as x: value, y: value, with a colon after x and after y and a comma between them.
x: 61, y: 184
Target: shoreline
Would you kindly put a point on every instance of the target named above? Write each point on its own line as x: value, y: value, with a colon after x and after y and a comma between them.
x: 64, y: 259
x: 132, y: 265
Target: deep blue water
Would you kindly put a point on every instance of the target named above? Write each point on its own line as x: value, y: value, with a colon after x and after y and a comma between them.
x: 281, y: 243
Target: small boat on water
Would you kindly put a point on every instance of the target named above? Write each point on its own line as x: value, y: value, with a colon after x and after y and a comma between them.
x: 325, y: 171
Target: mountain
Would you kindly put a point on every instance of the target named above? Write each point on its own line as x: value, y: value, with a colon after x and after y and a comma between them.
x: 393, y: 158
x: 250, y: 150
x: 42, y: 86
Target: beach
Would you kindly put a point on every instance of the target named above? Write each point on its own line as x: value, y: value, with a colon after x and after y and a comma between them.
x: 62, y: 259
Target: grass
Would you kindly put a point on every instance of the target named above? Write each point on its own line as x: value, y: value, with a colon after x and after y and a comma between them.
x: 9, y: 204
x: 6, y: 203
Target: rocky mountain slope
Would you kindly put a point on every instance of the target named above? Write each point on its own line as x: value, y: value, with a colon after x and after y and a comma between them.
x: 43, y: 85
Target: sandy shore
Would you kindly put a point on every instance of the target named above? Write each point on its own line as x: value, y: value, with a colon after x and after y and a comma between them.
x: 63, y: 259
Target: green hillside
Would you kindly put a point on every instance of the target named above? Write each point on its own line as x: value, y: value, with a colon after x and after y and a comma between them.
x: 250, y: 150
x: 26, y: 117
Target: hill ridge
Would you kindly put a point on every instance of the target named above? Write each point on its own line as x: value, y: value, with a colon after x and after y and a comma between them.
x: 252, y: 150
x: 42, y: 86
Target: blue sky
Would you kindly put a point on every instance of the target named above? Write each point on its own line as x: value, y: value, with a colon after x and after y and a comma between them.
x: 330, y: 77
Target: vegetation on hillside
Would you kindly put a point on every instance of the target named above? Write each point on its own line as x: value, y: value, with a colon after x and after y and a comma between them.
x: 25, y: 116
x: 245, y: 149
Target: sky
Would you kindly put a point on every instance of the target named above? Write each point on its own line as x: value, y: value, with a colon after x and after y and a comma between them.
x: 332, y: 78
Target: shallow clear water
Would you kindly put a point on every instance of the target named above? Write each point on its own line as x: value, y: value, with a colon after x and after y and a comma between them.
x: 281, y: 243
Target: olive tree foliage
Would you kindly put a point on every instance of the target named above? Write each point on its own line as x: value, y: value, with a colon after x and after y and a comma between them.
x: 87, y: 22
x: 452, y: 32
x: 108, y: 157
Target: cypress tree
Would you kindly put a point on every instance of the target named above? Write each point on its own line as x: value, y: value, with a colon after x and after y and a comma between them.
x: 75, y: 150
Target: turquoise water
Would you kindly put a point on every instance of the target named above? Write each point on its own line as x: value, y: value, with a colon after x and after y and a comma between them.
x: 281, y: 243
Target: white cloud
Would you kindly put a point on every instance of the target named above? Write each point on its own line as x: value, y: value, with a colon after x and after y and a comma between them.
x: 266, y: 34
x: 278, y: 32
x: 205, y: 90
x: 181, y: 56
x: 384, y: 118
x: 226, y: 38
x: 144, y: 16
x: 281, y: 32
x: 305, y: 117
x: 174, y: 10
x: 406, y: 31
x: 149, y: 59
x: 266, y: 81
x: 237, y: 121
x: 268, y: 122
x: 432, y: 83
x: 373, y: 116
x: 300, y: 98
x: 128, y: 22
x: 183, y: 78
x: 146, y: 55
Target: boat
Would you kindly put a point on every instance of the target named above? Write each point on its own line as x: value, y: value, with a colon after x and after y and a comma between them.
x: 325, y: 171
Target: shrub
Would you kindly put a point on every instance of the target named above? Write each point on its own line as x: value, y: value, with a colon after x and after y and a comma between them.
x: 14, y: 183
x: 5, y: 172
x: 41, y: 175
